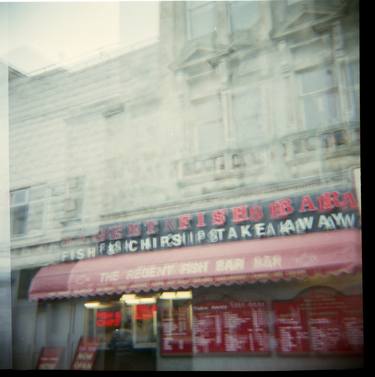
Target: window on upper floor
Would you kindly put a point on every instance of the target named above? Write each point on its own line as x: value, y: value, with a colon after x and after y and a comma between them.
x: 351, y: 75
x: 19, y: 208
x: 74, y: 194
x: 209, y: 126
x: 244, y: 14
x: 27, y: 211
x: 247, y: 117
x: 319, y: 97
x: 291, y: 2
x: 200, y: 18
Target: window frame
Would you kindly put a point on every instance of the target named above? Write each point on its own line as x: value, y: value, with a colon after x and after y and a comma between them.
x: 197, y: 124
x: 28, y: 203
x: 14, y: 206
x: 241, y: 3
x: 74, y: 192
x: 301, y: 95
x: 189, y: 7
x: 236, y: 127
x: 351, y: 91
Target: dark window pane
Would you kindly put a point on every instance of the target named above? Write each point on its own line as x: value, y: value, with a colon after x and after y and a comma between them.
x: 18, y: 217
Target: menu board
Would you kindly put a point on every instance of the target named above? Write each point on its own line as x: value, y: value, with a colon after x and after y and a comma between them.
x: 323, y: 323
x: 84, y: 358
x: 336, y: 324
x: 291, y: 328
x: 176, y: 332
x: 225, y: 327
x: 49, y: 357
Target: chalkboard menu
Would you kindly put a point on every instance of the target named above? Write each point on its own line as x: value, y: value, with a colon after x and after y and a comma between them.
x: 176, y: 331
x: 230, y: 327
x: 321, y: 322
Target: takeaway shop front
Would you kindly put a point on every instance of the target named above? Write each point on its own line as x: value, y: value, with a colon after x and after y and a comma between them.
x: 271, y: 285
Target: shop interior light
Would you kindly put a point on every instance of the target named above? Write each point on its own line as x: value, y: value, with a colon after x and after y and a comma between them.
x: 168, y: 296
x: 134, y: 300
x: 147, y: 300
x: 93, y: 305
x: 181, y: 295
x: 127, y: 297
x: 131, y: 301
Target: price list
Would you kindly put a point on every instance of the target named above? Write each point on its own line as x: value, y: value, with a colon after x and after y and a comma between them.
x: 325, y: 319
x: 353, y: 323
x: 291, y: 327
x: 320, y: 323
x: 336, y: 324
x: 230, y: 327
x: 176, y: 329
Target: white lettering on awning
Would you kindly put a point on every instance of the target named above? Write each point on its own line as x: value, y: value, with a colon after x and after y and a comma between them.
x: 234, y: 264
x: 267, y: 261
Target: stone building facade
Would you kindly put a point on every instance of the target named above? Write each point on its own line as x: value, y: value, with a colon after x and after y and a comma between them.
x: 237, y: 101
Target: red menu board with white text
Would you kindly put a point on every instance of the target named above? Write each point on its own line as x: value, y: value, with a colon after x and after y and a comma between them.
x: 50, y: 357
x: 320, y: 322
x: 85, y: 356
x: 291, y: 328
x: 230, y: 327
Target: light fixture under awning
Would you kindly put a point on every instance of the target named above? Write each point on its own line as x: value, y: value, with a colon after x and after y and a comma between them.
x: 271, y: 259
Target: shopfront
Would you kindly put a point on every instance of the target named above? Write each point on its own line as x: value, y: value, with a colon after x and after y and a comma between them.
x: 271, y: 285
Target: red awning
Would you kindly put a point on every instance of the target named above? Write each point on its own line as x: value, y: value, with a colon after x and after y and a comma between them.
x: 271, y: 259
x: 51, y: 281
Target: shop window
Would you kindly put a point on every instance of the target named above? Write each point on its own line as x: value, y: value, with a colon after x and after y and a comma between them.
x: 318, y: 94
x: 247, y: 117
x: 129, y: 323
x: 200, y: 17
x: 27, y: 211
x: 244, y: 14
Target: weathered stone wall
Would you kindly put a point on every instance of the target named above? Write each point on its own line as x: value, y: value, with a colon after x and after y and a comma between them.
x: 156, y: 130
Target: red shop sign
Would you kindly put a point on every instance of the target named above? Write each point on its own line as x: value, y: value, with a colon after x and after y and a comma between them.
x: 106, y: 318
x: 144, y: 312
